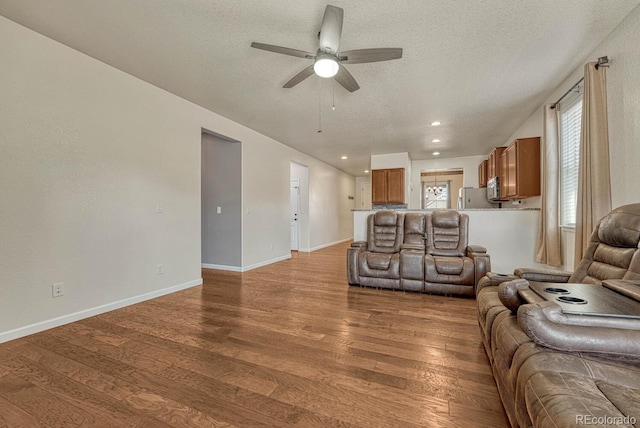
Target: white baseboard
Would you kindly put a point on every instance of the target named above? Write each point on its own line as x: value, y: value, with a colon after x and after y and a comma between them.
x: 222, y: 267
x: 76, y: 316
x: 319, y: 247
x: 245, y: 268
x: 266, y: 262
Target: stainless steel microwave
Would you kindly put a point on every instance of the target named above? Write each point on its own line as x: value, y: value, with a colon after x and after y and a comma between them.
x: 493, y: 189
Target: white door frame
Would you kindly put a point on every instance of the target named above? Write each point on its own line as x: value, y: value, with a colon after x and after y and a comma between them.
x: 295, y: 213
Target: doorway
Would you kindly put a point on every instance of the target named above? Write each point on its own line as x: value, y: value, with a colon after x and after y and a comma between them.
x: 221, y: 202
x: 440, y: 188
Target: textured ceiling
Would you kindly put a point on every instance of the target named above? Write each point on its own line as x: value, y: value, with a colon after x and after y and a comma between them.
x: 479, y: 66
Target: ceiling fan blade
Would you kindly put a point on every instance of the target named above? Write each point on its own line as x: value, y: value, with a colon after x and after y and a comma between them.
x: 346, y: 79
x: 331, y: 29
x: 281, y: 50
x: 359, y: 56
x: 299, y: 77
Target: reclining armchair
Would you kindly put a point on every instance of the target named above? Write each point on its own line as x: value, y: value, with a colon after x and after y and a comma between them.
x: 451, y: 265
x: 376, y: 262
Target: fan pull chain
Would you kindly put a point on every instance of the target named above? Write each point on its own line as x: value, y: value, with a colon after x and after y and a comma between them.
x: 333, y: 94
x: 319, y: 105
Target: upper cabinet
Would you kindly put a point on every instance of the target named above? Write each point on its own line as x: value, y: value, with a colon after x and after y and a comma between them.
x: 387, y: 186
x: 521, y: 169
x: 493, y: 163
x: 482, y: 173
x: 502, y: 178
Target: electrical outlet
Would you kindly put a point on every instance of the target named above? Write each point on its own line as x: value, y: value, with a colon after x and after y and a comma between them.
x: 159, y: 207
x: 160, y: 270
x: 57, y: 290
x: 271, y: 247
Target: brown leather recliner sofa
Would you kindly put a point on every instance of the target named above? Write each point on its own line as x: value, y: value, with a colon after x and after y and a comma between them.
x: 555, y: 369
x: 418, y: 252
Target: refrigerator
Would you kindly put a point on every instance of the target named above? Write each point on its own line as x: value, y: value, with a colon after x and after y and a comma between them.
x: 470, y: 197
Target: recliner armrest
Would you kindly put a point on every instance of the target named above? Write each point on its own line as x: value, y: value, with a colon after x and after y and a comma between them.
x: 508, y: 293
x: 479, y: 249
x: 542, y: 275
x: 547, y: 325
x: 493, y: 279
x: 352, y: 261
x: 481, y: 264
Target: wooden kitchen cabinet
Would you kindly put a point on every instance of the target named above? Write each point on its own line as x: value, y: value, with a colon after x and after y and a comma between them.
x: 379, y: 186
x: 387, y: 186
x: 510, y: 175
x: 521, y: 169
x: 482, y: 173
x: 503, y: 175
x: 493, y: 162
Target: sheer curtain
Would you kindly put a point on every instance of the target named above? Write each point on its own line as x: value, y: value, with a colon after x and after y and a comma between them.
x: 548, y: 247
x: 594, y: 182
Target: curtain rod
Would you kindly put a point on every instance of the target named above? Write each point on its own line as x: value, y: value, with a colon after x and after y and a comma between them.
x: 566, y: 93
x: 603, y: 61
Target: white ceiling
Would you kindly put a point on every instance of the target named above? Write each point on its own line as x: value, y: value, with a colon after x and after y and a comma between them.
x: 479, y: 66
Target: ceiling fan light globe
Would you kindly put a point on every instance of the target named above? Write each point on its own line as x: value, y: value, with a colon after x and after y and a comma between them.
x: 326, y: 67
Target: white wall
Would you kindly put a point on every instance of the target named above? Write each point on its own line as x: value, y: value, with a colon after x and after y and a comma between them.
x: 468, y: 164
x: 623, y: 102
x: 266, y: 181
x: 330, y: 208
x: 87, y: 153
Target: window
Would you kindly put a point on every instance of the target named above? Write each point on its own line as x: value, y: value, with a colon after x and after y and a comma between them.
x: 570, y: 123
x: 436, y: 195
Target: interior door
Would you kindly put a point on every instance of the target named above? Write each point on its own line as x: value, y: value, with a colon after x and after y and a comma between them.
x: 365, y: 195
x: 295, y: 205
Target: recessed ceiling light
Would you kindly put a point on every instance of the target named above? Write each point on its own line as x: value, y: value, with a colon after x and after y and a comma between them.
x: 436, y: 153
x: 343, y: 157
x: 436, y: 123
x: 366, y: 171
x: 435, y: 140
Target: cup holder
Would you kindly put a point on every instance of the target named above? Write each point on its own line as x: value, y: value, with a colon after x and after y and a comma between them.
x: 572, y: 300
x: 555, y: 290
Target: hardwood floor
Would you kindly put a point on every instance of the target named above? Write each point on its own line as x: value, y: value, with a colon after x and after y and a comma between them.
x: 290, y: 344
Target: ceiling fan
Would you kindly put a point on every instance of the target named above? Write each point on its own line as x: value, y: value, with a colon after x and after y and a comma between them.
x: 328, y: 61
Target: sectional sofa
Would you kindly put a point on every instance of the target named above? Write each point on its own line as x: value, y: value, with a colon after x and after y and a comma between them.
x: 558, y: 367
